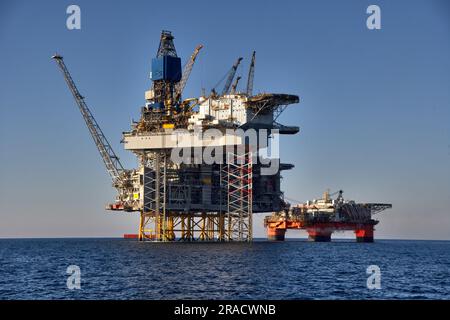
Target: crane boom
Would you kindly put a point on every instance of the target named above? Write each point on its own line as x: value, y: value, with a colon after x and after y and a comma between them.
x: 251, y: 75
x: 235, y: 84
x: 110, y: 159
x: 179, y: 87
x: 231, y: 75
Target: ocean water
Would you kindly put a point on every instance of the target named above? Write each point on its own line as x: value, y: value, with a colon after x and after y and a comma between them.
x: 294, y: 269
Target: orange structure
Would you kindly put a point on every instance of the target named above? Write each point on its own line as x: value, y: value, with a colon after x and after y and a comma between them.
x: 130, y: 236
x: 318, y: 232
x: 320, y: 218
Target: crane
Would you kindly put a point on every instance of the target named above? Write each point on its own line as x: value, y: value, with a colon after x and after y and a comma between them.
x: 231, y: 75
x: 251, y: 75
x: 179, y: 87
x: 113, y: 165
x: 235, y: 84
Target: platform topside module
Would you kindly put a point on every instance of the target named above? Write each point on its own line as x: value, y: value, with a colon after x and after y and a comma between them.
x: 195, y: 199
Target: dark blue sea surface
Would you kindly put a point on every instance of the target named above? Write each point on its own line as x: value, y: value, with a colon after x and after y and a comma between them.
x: 127, y: 269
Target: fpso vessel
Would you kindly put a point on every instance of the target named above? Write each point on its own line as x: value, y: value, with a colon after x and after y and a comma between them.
x: 321, y: 217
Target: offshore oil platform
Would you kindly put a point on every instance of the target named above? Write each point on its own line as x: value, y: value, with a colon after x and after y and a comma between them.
x: 182, y: 195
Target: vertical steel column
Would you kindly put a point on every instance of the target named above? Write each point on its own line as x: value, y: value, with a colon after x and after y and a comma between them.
x: 239, y: 177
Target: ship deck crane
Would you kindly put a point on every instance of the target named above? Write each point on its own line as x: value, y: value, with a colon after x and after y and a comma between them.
x: 112, y: 162
x: 179, y: 87
x: 231, y: 75
x: 251, y: 75
x: 235, y: 84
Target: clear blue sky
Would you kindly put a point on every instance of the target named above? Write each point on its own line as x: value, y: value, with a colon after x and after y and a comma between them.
x: 374, y: 112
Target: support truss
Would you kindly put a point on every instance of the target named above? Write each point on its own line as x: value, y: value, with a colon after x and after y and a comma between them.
x: 232, y: 224
x: 238, y: 177
x: 153, y: 222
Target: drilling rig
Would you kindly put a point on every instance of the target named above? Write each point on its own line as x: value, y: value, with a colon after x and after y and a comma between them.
x: 181, y: 195
x: 194, y: 200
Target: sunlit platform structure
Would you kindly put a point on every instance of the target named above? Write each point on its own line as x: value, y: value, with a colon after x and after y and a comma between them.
x: 194, y: 200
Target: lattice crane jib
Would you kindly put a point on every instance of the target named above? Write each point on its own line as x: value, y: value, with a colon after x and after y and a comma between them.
x: 235, y: 84
x: 251, y: 75
x: 111, y: 160
x: 179, y: 87
x: 231, y: 74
